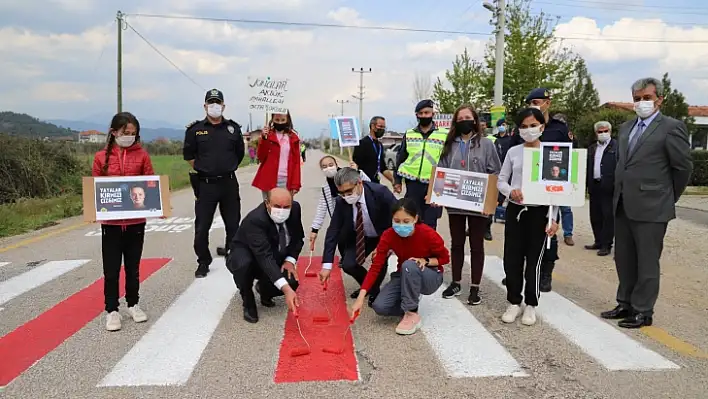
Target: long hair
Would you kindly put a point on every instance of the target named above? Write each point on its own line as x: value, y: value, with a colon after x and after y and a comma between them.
x: 119, y: 121
x: 453, y: 134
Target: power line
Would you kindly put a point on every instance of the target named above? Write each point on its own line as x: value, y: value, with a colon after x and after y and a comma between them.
x: 387, y: 28
x: 639, y: 5
x: 162, y: 55
x: 602, y: 18
x: 616, y: 8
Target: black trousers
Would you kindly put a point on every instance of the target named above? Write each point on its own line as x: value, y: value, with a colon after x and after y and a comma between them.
x: 357, y: 271
x: 602, y: 218
x: 524, y: 245
x: 223, y: 192
x: 121, y: 245
x: 245, y: 270
x: 417, y: 191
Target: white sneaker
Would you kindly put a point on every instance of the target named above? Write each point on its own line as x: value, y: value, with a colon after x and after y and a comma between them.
x: 137, y: 314
x: 512, y: 312
x: 113, y: 321
x: 529, y: 317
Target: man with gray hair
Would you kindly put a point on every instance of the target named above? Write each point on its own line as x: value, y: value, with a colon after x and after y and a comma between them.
x: 654, y: 167
x: 600, y: 181
x: 362, y: 212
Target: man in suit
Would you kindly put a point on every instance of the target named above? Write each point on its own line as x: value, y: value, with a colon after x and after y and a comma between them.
x: 653, y: 168
x: 600, y: 180
x: 266, y: 248
x: 362, y: 212
x: 370, y: 155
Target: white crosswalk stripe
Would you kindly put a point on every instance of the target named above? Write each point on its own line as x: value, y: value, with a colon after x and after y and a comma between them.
x: 4, y: 264
x: 36, y: 277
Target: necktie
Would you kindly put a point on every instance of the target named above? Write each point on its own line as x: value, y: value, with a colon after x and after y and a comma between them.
x: 282, y: 241
x: 360, y: 243
x: 637, y: 134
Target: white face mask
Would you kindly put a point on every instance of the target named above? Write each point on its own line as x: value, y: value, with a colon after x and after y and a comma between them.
x: 279, y: 215
x: 125, y: 141
x: 538, y: 107
x: 215, y: 110
x: 330, y: 171
x: 603, y: 137
x: 531, y: 134
x: 644, y: 109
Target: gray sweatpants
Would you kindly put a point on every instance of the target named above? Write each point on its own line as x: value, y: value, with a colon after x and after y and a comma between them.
x: 403, y: 292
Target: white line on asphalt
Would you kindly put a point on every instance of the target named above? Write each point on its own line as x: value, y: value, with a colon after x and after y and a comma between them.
x: 462, y: 344
x: 610, y: 347
x: 4, y: 264
x: 170, y: 350
x: 32, y: 279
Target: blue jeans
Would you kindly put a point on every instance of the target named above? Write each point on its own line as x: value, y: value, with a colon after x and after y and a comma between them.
x: 566, y: 221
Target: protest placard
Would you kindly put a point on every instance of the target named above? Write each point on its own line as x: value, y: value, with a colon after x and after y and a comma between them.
x: 472, y: 191
x: 346, y: 129
x: 443, y: 120
x: 268, y: 95
x: 554, y: 174
x: 126, y: 197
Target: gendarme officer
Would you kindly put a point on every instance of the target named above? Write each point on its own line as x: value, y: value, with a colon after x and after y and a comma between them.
x: 214, y: 148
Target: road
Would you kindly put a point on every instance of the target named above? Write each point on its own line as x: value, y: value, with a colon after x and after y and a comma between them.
x: 53, y: 343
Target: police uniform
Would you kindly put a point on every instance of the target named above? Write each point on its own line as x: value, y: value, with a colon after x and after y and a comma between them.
x: 418, y: 154
x: 217, y: 150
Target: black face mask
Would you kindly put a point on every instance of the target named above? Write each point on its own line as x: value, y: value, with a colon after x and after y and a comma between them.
x: 379, y: 133
x: 281, y: 127
x: 465, y: 127
x: 425, y: 121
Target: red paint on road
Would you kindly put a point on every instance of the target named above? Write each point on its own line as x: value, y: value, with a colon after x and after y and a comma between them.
x: 318, y: 365
x: 27, y: 344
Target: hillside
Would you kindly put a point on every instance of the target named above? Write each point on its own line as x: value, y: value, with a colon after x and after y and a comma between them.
x: 25, y: 125
x: 146, y: 133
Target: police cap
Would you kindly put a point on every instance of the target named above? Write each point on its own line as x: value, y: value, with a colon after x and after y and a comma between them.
x: 538, y: 94
x: 214, y: 94
x: 424, y: 104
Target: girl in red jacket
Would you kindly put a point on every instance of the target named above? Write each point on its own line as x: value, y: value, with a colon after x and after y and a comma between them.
x: 122, y: 240
x: 421, y: 255
x: 279, y: 156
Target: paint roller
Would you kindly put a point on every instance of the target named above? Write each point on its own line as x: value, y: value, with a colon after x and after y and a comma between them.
x: 340, y: 349
x: 300, y: 351
x: 323, y: 318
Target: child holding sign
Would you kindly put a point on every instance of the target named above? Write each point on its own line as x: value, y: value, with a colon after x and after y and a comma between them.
x: 526, y: 228
x: 122, y: 240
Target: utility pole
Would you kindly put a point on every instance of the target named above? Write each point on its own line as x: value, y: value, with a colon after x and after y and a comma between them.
x: 499, y: 11
x: 120, y: 23
x: 342, y: 102
x: 361, y: 73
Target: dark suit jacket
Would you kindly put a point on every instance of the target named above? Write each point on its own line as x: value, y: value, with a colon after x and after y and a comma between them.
x: 365, y: 157
x: 608, y: 164
x: 652, y: 178
x: 257, y: 241
x: 341, y: 230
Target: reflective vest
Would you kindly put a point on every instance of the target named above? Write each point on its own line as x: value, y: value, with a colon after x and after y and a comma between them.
x: 423, y: 154
x: 493, y: 138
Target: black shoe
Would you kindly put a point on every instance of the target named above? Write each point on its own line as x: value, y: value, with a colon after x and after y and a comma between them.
x: 636, y: 320
x: 267, y: 302
x: 355, y: 294
x: 372, y: 298
x: 504, y: 281
x: 452, y: 290
x: 603, y: 252
x: 250, y: 314
x: 201, y: 271
x: 488, y: 235
x: 617, y: 313
x: 221, y: 251
x: 474, y: 298
x: 592, y: 247
x: 544, y: 285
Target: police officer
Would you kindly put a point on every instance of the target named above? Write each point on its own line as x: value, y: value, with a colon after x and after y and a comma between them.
x: 214, y: 148
x: 419, y: 152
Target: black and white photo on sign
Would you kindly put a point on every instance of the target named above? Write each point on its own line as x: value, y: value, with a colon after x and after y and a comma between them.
x: 555, y: 162
x: 127, y: 197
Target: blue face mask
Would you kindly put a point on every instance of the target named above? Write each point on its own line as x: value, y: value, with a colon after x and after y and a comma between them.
x: 501, y: 129
x: 403, y: 229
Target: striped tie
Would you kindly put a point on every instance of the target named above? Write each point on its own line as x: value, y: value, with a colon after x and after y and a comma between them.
x: 360, y: 239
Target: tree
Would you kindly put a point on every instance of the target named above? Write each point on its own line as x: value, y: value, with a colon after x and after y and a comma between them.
x: 422, y: 87
x: 675, y: 105
x: 464, y: 79
x: 581, y: 96
x: 584, y: 129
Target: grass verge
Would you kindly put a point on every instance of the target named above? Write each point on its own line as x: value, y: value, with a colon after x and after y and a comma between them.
x: 37, y: 213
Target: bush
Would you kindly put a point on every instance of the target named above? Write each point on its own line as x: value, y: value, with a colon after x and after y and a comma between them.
x: 700, y: 168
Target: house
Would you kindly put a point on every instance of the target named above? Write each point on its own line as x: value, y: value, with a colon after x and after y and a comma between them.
x: 699, y: 138
x: 92, y: 136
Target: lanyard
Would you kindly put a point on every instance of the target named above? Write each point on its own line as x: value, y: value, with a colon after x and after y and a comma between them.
x: 377, y: 150
x: 464, y: 153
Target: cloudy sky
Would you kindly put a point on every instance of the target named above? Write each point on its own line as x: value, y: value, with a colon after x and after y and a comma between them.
x: 58, y: 57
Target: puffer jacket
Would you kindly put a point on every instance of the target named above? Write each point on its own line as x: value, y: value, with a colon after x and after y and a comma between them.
x: 131, y: 161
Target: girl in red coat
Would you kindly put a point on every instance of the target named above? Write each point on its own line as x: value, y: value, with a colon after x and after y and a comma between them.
x: 279, y: 156
x: 122, y: 240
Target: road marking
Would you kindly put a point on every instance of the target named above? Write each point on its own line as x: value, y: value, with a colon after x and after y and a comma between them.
x: 32, y: 279
x: 318, y: 365
x: 610, y: 347
x: 4, y: 264
x: 672, y: 342
x: 168, y: 353
x: 29, y: 343
x: 41, y: 237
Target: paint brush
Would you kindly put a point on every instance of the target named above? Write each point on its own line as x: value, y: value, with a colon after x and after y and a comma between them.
x: 340, y: 349
x: 323, y: 318
x: 300, y: 351
x: 307, y: 272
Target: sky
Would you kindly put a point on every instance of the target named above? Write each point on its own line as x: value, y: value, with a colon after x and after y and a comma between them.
x: 58, y: 57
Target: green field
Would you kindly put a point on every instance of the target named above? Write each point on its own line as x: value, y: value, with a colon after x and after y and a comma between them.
x: 32, y: 214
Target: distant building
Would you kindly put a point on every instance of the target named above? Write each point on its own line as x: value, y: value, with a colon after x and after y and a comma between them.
x: 389, y: 139
x: 92, y: 136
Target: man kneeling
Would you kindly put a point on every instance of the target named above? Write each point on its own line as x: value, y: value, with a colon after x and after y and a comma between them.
x: 266, y: 248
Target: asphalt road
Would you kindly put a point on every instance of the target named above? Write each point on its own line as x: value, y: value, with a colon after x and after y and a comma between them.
x: 53, y: 343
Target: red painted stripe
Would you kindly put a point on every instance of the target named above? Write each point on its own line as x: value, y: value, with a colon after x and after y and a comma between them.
x: 318, y: 365
x: 30, y: 342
